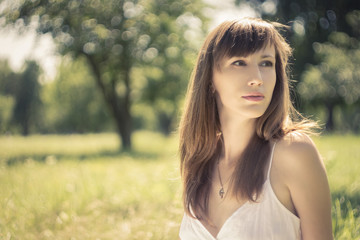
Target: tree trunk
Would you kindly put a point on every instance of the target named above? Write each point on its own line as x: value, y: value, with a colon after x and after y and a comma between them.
x: 165, y: 123
x: 25, y: 127
x: 119, y: 107
x: 124, y: 126
x: 123, y: 120
x: 329, y: 126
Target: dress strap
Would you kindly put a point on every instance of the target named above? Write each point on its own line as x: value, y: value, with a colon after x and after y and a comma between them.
x: 271, y: 159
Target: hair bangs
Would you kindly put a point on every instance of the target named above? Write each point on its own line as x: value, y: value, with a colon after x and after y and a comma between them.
x: 242, y: 39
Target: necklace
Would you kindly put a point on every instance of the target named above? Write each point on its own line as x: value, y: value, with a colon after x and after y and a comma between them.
x: 221, y: 191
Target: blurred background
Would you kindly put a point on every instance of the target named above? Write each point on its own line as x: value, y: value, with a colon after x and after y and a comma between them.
x: 99, y: 66
x: 105, y: 80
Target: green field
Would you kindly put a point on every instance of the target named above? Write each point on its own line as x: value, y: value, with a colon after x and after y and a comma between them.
x: 81, y: 187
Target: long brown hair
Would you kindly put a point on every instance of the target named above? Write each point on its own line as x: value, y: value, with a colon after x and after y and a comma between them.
x: 200, y: 130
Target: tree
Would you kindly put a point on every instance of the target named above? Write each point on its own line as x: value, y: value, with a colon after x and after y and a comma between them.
x: 114, y: 36
x: 167, y: 76
x: 336, y: 80
x: 8, y: 80
x: 71, y: 103
x: 27, y: 99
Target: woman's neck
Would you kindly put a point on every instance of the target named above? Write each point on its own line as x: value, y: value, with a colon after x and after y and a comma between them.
x: 237, y: 133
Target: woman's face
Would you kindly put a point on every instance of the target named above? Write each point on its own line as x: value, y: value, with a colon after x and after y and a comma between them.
x: 244, y: 85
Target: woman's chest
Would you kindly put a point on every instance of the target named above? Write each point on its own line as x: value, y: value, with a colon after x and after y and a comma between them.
x: 220, y: 209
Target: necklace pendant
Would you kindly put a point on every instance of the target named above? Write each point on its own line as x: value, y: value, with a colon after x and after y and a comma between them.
x: 221, y: 192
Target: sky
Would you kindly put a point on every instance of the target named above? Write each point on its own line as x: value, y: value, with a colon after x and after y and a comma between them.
x: 17, y: 48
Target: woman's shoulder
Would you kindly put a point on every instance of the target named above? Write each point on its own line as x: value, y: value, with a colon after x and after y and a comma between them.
x: 296, y: 153
x: 299, y: 166
x: 296, y: 143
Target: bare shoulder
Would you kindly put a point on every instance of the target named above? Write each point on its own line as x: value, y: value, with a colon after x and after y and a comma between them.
x: 297, y: 152
x: 303, y: 172
x: 296, y: 141
x: 298, y: 161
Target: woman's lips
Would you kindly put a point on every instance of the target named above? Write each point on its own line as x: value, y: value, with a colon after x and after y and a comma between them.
x: 255, y: 97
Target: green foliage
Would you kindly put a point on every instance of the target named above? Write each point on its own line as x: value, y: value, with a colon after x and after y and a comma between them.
x: 337, y: 77
x: 6, y: 107
x: 336, y: 80
x: 8, y: 78
x: 72, y: 103
x: 27, y: 99
x: 7, y: 88
x: 115, y: 37
x: 20, y: 99
x: 312, y: 21
x: 81, y: 187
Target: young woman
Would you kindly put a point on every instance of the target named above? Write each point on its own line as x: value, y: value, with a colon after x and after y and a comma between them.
x: 249, y: 170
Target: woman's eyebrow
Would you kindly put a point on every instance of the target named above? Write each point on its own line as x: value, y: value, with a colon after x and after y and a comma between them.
x: 267, y: 56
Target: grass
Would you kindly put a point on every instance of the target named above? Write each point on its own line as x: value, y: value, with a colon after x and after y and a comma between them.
x: 81, y: 187
x: 341, y: 155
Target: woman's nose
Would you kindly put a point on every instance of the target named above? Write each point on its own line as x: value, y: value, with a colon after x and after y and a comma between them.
x: 255, y: 77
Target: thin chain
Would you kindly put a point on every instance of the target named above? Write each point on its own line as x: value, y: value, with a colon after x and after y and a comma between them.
x: 218, y: 168
x: 221, y: 191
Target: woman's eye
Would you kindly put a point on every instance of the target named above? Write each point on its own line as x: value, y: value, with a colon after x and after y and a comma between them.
x: 239, y: 63
x: 267, y: 64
